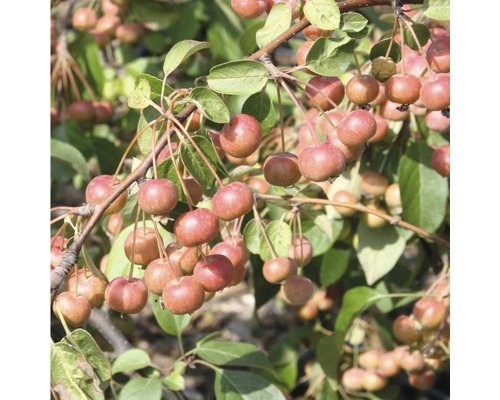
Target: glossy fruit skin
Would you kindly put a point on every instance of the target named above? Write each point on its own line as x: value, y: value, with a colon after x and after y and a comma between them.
x: 282, y: 169
x: 75, y: 309
x: 351, y: 153
x: 435, y: 93
x: 107, y: 24
x: 196, y: 227
x: 103, y: 111
x: 362, y: 89
x: 58, y: 246
x: 318, y: 163
x: 183, y: 296
x: 438, y: 54
x: 124, y: 295
x: 100, y: 187
x: 215, y: 272
x: 249, y: 8
x: 412, y: 361
x: 404, y: 330
x: 392, y: 198
x: 158, y: 196
x: 423, y: 380
x: 81, y: 110
x: 403, y: 89
x: 241, y: 136
x: 297, y: 290
x: 441, y: 160
x: 194, y: 189
x: 158, y: 273
x: 436, y: 121
x: 238, y: 257
x: 232, y: 201
x: 89, y: 286
x: 373, y: 183
x: 352, y: 379
x: 429, y: 312
x: 276, y: 270
x: 328, y: 89
x: 165, y: 152
x: 115, y: 224
x: 312, y: 32
x: 381, y: 131
x: 374, y: 221
x: 388, y: 365
x: 129, y: 32
x: 357, y: 128
x: 84, y: 19
x: 373, y: 381
x: 301, y: 250
x: 345, y: 196
x: 389, y: 110
x: 146, y: 246
x: 185, y: 258
x: 301, y: 54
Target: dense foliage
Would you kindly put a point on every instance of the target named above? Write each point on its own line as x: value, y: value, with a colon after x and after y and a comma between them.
x: 194, y: 155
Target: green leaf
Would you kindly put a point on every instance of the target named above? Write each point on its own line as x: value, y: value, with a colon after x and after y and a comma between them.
x: 173, y: 324
x: 243, y: 385
x: 69, y: 155
x: 252, y: 235
x: 280, y: 237
x: 334, y: 265
x: 277, y: 22
x: 142, y: 388
x: 421, y: 32
x: 354, y: 302
x: 175, y: 379
x: 78, y: 367
x: 194, y: 162
x: 145, y: 140
x: 437, y: 9
x: 155, y: 84
x: 220, y: 352
x: 131, y: 360
x: 352, y: 22
x: 140, y: 96
x: 424, y: 193
x: 328, y: 351
x: 330, y: 56
x: 260, y: 106
x: 118, y: 264
x: 325, y: 14
x: 247, y: 40
x: 323, y: 233
x: 210, y: 105
x: 180, y: 52
x: 243, y: 77
x: 380, y: 50
x: 379, y: 250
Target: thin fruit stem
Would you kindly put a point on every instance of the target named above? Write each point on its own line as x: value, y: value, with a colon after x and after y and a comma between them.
x: 403, y: 66
x: 263, y: 230
x: 76, y: 68
x: 420, y: 49
x: 282, y: 122
x: 394, y: 30
x: 131, y: 272
x: 177, y: 170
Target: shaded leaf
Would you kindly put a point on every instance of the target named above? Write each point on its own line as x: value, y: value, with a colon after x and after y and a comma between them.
x: 280, y: 237
x: 69, y: 155
x: 210, y: 105
x: 145, y: 140
x: 330, y: 56
x: 334, y: 265
x: 142, y: 388
x: 421, y: 32
x: 236, y: 385
x: 328, y: 351
x: 252, y: 235
x: 380, y: 50
x: 424, y: 193
x: 180, y: 52
x: 260, y: 107
x: 131, y: 360
x: 354, y: 302
x: 195, y: 163
x: 243, y: 77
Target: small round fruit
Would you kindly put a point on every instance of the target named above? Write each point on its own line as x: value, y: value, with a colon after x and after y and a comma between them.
x: 301, y: 250
x: 438, y: 54
x: 249, y: 9
x: 301, y: 54
x: 295, y: 5
x: 403, y: 89
x: 103, y: 111
x: 126, y: 295
x: 75, y: 308
x: 165, y: 152
x: 405, y: 330
x: 392, y: 198
x: 412, y: 361
x: 84, y: 19
x: 435, y: 93
x: 307, y: 311
x: 312, y: 32
x: 110, y: 8
x: 388, y: 364
x: 241, y: 136
x: 282, y: 169
x: 158, y: 196
x: 183, y: 296
x: 345, y: 196
x: 58, y: 247
x: 391, y: 111
x: 115, y: 223
x: 374, y: 221
x: 185, y: 258
x: 158, y: 273
x: 324, y: 92
x: 215, y: 272
x: 196, y: 227
x: 89, y: 285
x: 319, y: 163
x: 441, y: 160
x: 382, y: 129
x: 107, y: 24
x: 100, y: 188
x: 194, y: 189
x: 424, y: 380
x: 232, y: 201
x: 351, y: 153
x: 81, y: 110
x: 362, y: 89
x: 373, y: 381
x: 352, y: 379
x: 145, y: 249
x: 357, y: 128
x: 276, y: 270
x: 436, y: 121
x: 297, y: 290
x: 429, y: 312
x: 129, y: 32
x: 373, y: 183
x: 237, y: 255
x: 370, y: 359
